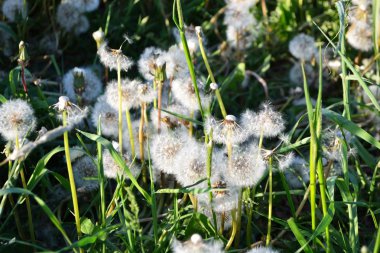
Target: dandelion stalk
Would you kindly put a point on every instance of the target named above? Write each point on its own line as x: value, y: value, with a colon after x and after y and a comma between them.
x: 209, y: 146
x: 233, y: 232
x: 27, y: 200
x: 71, y: 177
x: 141, y: 132
x: 210, y: 73
x: 120, y: 111
x: 268, y: 239
x: 130, y: 131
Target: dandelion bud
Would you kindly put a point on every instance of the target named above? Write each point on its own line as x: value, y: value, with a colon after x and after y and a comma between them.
x: 99, y: 37
x: 214, y: 86
x: 23, y: 55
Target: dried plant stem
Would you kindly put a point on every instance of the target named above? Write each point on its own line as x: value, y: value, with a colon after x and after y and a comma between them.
x: 27, y: 200
x: 130, y: 131
x: 71, y: 177
x: 120, y: 112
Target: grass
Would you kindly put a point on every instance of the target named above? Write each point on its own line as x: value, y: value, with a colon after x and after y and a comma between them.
x: 332, y: 126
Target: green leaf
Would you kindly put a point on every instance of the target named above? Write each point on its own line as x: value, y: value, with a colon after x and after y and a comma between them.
x: 199, y: 224
x: 300, y: 238
x: 87, y: 227
x: 351, y: 127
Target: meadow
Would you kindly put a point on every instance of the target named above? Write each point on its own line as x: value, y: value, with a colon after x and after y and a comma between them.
x: 189, y: 126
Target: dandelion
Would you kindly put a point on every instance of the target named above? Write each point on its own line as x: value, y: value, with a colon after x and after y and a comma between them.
x: 192, y: 159
x: 113, y: 170
x: 111, y: 57
x: 241, y: 4
x: 176, y: 65
x: 296, y: 74
x: 144, y: 93
x: 226, y: 131
x: 223, y: 220
x: 266, y: 123
x: 82, y: 25
x: 359, y: 36
x: 108, y: 118
x: 90, y: 5
x: 16, y: 119
x: 362, y: 4
x: 285, y: 161
x: 246, y: 168
x: 302, y: 47
x: 13, y: 9
x: 184, y: 93
x: 75, y: 115
x: 197, y: 245
x: 191, y: 38
x: 85, y: 174
x: 128, y: 94
x: 68, y: 16
x: 76, y: 152
x: 298, y: 174
x: 263, y: 250
x: 82, y: 84
x: 151, y: 60
x: 165, y: 148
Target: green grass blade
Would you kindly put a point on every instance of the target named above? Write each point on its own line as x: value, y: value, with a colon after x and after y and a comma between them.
x: 300, y: 238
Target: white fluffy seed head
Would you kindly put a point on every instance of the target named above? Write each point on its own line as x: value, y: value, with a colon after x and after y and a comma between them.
x: 76, y: 152
x: 227, y: 131
x: 16, y: 119
x: 85, y: 174
x: 13, y: 9
x: 90, y: 5
x: 128, y: 94
x: 196, y: 245
x: 266, y: 122
x: 263, y: 250
x: 165, y: 148
x: 359, y: 36
x: 75, y: 115
x: 297, y: 175
x: 285, y: 161
x: 110, y: 58
x: 296, y: 75
x: 145, y: 93
x: 191, y: 38
x: 176, y: 65
x: 113, y: 170
x: 108, y: 118
x: 184, y: 93
x: 82, y: 26
x: 302, y: 47
x: 246, y: 168
x: 87, y: 91
x: 192, y: 159
x: 68, y: 15
x: 150, y: 61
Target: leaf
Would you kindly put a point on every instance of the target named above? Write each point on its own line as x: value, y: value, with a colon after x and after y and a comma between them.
x: 87, y: 227
x: 199, y: 224
x: 300, y: 238
x: 351, y: 127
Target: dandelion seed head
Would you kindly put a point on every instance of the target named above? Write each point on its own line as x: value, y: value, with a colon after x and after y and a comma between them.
x: 266, y: 122
x: 14, y: 8
x: 150, y: 61
x: 285, y: 161
x: 74, y: 114
x: 191, y: 38
x: 108, y: 118
x: 227, y: 131
x: 68, y: 15
x: 246, y: 167
x: 88, y: 91
x: 302, y: 47
x: 110, y: 58
x: 197, y: 245
x: 85, y: 171
x: 165, y: 148
x: 362, y: 4
x: 263, y: 250
x: 82, y: 25
x: 184, y: 93
x: 76, y: 152
x: 359, y: 36
x: 176, y: 65
x: 16, y: 119
x: 226, y: 200
x: 128, y: 94
x: 145, y: 93
x: 90, y: 5
x: 113, y: 170
x: 298, y: 173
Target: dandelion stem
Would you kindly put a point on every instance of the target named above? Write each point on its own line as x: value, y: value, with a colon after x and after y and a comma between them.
x: 130, y: 131
x: 268, y: 239
x: 120, y: 112
x: 141, y: 132
x: 27, y: 200
x: 210, y: 146
x: 160, y: 84
x: 217, y: 92
x: 233, y: 233
x: 71, y: 177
